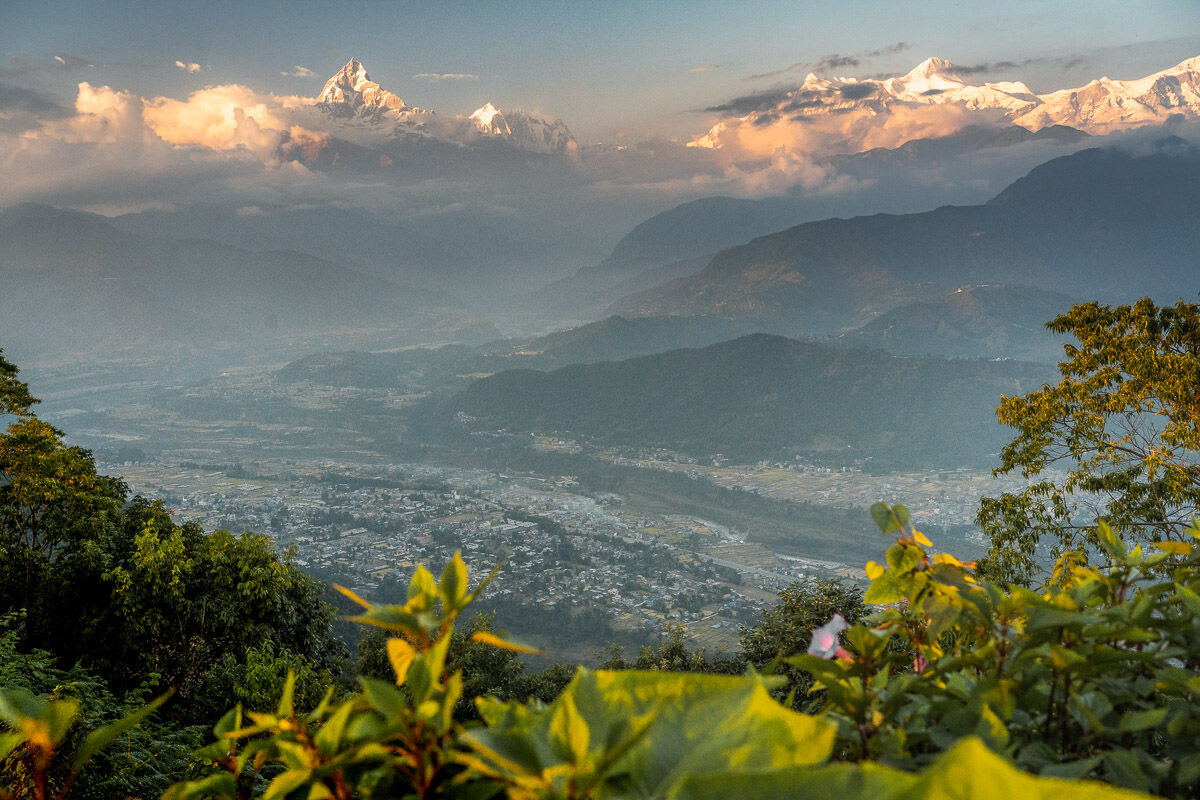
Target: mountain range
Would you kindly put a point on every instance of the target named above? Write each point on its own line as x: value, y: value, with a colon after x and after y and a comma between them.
x: 908, y: 177
x: 1100, y: 106
x: 115, y: 291
x: 1102, y: 222
x: 351, y: 95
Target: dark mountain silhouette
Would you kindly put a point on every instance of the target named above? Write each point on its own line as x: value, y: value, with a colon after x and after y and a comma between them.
x: 1101, y: 223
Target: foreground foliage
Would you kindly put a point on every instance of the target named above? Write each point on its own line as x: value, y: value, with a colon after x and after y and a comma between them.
x: 952, y: 686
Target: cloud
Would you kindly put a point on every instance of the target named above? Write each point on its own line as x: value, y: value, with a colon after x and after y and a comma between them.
x: 836, y: 61
x: 995, y: 66
x: 833, y: 61
x: 222, y: 118
x: 188, y: 67
x: 300, y: 72
x: 73, y: 62
x: 751, y: 102
x: 446, y: 76
x: 773, y: 135
x: 17, y: 98
x: 891, y: 49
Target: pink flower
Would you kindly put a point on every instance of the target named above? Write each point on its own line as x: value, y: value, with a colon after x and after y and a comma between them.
x: 825, y: 638
x: 920, y: 663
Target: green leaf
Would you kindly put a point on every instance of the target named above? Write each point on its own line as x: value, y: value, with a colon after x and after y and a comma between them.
x: 329, y: 737
x: 1190, y: 599
x: 889, y: 518
x: 1122, y: 768
x: 384, y: 697
x: 8, y: 741
x: 850, y: 781
x: 1141, y: 720
x: 100, y: 738
x: 422, y: 585
x: 286, y: 783
x: 884, y: 590
x: 223, y: 785
x: 453, y: 584
x: 649, y: 731
x: 286, y: 706
x: 1110, y: 543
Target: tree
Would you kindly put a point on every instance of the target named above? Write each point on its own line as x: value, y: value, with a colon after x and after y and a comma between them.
x: 14, y: 394
x: 147, y: 601
x: 786, y: 628
x: 1123, y: 425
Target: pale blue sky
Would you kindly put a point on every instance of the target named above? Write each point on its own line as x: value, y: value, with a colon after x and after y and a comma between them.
x: 607, y: 68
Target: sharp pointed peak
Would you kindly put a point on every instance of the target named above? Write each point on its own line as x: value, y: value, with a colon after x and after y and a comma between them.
x: 931, y: 66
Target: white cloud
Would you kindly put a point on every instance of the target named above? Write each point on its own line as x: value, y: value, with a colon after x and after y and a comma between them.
x: 446, y: 76
x: 188, y: 66
x: 299, y: 72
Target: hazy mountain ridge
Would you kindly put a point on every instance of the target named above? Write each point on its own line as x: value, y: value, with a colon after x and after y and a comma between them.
x: 903, y: 178
x: 1121, y: 225
x: 987, y: 321
x: 113, y: 290
x: 763, y: 396
x: 611, y: 339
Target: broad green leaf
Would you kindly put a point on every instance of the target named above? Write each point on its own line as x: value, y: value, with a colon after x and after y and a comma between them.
x: 453, y: 584
x: 694, y: 724
x: 421, y: 584
x: 392, y: 618
x: 867, y: 781
x: 286, y: 783
x: 1121, y: 767
x: 1110, y: 543
x: 384, y: 697
x: 1141, y: 720
x: 1190, y: 598
x: 971, y: 770
x: 889, y: 518
x: 884, y: 590
x: 8, y: 741
x: 286, y: 706
x: 329, y: 737
x: 401, y: 654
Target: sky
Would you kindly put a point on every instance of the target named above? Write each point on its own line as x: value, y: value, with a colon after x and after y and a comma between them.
x: 613, y: 71
x: 121, y: 107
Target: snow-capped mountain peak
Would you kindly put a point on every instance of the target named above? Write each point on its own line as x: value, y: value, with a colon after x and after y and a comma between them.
x: 1099, y: 106
x: 490, y: 120
x: 929, y: 68
x: 352, y: 92
x: 350, y: 95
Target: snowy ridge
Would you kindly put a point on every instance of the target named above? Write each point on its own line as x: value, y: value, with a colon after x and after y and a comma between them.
x: 351, y: 95
x: 1099, y: 107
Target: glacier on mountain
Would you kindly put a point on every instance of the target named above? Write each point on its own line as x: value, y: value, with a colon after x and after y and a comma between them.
x: 351, y: 96
x: 1101, y: 106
